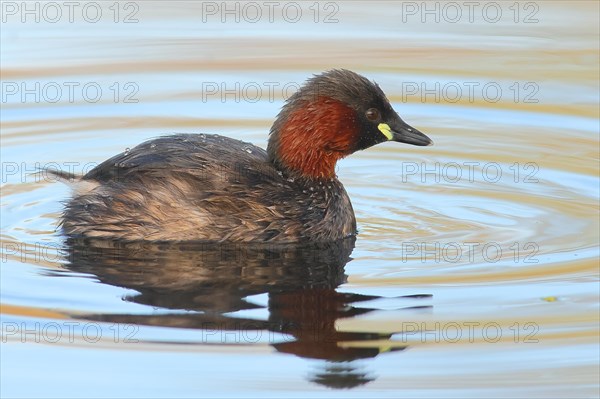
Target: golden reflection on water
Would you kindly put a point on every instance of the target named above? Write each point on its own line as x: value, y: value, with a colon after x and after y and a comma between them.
x: 169, y: 54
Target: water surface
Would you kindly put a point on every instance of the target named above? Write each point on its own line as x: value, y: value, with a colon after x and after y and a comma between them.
x: 475, y: 271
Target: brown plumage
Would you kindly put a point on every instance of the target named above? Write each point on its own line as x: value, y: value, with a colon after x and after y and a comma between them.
x: 210, y: 187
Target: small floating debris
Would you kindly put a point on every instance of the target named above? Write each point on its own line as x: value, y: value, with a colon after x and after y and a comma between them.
x: 550, y: 299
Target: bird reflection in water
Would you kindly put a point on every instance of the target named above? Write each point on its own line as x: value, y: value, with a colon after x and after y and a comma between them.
x: 210, y: 281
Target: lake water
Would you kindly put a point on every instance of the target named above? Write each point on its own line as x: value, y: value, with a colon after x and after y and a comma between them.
x: 475, y: 271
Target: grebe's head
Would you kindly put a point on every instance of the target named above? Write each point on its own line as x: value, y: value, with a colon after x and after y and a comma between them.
x: 333, y: 115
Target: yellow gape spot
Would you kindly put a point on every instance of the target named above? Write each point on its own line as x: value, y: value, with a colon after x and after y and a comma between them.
x: 386, y: 130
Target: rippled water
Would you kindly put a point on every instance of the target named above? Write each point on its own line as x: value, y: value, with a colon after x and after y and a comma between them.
x: 475, y: 272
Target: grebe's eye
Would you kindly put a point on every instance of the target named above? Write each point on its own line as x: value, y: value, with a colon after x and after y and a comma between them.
x: 372, y: 114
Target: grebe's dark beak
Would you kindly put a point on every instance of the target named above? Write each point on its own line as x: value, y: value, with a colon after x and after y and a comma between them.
x: 400, y: 131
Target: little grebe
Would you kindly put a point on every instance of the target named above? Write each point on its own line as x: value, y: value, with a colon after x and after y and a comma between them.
x: 210, y: 187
